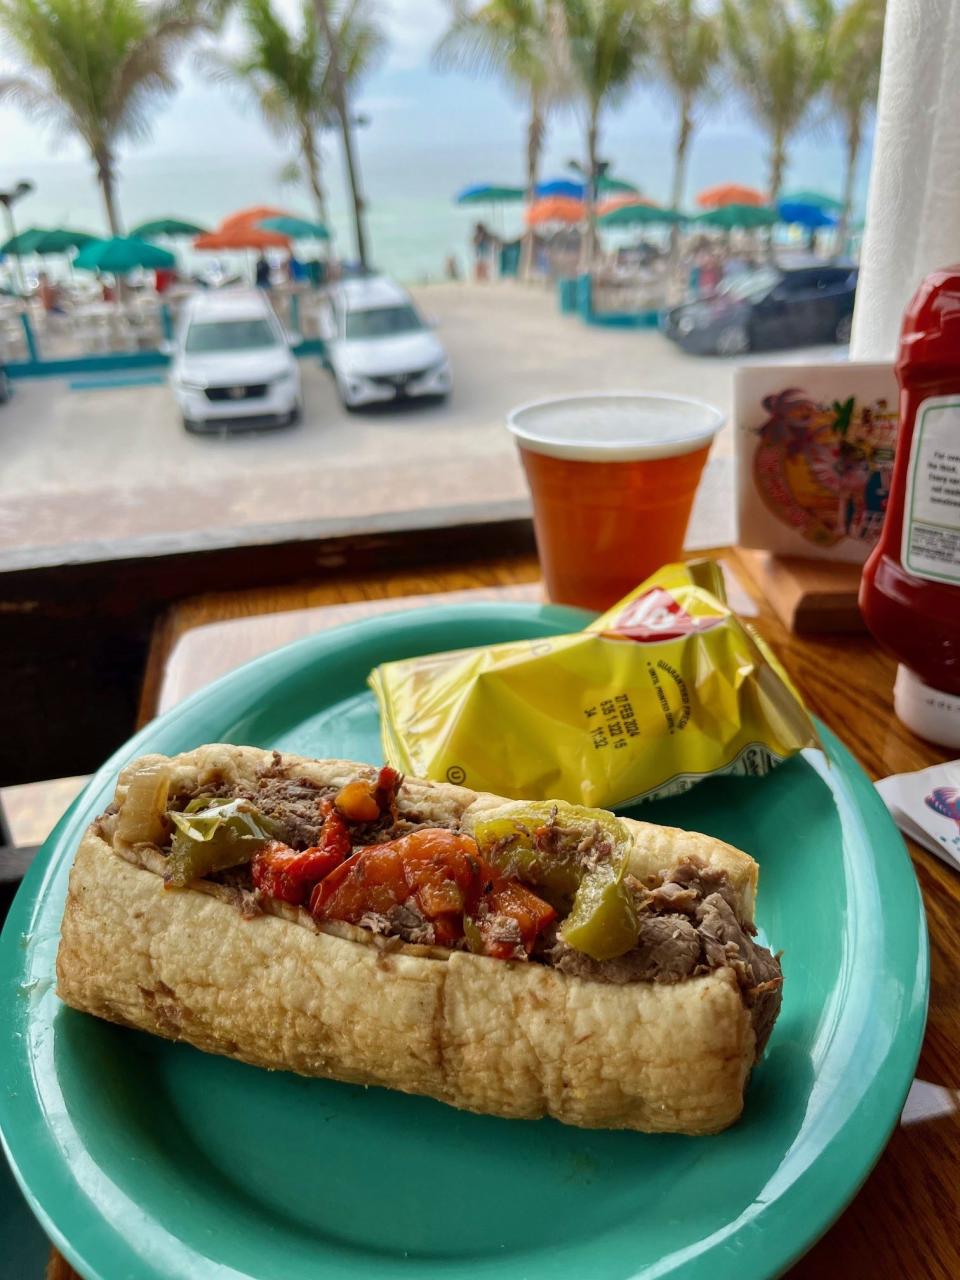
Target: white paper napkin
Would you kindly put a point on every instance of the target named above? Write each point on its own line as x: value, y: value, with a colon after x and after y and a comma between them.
x: 926, y: 806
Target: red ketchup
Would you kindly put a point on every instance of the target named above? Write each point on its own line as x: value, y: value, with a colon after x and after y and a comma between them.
x: 910, y: 592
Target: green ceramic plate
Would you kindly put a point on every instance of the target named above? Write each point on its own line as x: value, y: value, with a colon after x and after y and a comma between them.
x: 151, y: 1161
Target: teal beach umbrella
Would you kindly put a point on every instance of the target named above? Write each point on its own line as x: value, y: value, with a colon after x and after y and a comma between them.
x: 729, y: 216
x: 637, y: 215
x: 615, y: 186
x: 167, y: 227
x: 489, y: 193
x: 37, y: 240
x: 122, y: 254
x: 24, y: 242
x: 296, y: 228
x: 62, y: 240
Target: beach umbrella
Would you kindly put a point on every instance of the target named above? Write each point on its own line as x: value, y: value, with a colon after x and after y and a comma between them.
x: 62, y: 240
x: 252, y: 216
x: 241, y: 236
x: 805, y: 215
x: 566, y: 188
x: 23, y: 243
x: 729, y: 216
x: 637, y: 214
x: 555, y: 209
x: 608, y: 184
x: 167, y: 227
x: 730, y: 193
x: 578, y: 190
x: 489, y: 193
x: 121, y: 254
x: 827, y: 203
x: 296, y: 228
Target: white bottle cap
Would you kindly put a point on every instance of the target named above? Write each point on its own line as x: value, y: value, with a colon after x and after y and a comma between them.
x: 928, y: 712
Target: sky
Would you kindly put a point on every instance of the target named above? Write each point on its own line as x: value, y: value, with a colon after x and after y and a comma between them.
x: 430, y: 133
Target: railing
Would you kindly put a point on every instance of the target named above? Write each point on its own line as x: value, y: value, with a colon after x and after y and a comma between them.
x: 85, y: 335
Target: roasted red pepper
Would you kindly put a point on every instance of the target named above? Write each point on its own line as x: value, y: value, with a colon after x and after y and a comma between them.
x: 440, y: 874
x: 385, y: 792
x: 281, y: 872
x: 509, y: 901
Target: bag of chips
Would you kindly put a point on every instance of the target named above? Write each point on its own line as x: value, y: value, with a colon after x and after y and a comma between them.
x: 666, y: 688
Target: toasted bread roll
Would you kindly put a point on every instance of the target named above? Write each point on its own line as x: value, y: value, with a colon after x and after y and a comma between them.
x: 507, y: 1038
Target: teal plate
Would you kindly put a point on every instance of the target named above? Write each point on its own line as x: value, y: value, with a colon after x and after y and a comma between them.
x: 151, y: 1161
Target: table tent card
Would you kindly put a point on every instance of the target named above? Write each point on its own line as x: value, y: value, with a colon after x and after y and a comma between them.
x: 814, y: 446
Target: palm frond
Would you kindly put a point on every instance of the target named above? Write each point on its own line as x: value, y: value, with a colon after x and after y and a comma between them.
x: 511, y: 39
x: 687, y: 49
x: 854, y: 50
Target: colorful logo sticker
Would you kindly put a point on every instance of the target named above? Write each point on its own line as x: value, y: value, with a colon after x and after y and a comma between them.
x: 824, y: 469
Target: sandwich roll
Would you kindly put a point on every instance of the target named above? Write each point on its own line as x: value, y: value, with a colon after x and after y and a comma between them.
x: 511, y: 958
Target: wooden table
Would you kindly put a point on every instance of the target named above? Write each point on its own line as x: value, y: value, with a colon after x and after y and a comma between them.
x: 904, y: 1222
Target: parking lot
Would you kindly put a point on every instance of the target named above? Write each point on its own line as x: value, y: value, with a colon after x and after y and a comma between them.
x: 84, y: 463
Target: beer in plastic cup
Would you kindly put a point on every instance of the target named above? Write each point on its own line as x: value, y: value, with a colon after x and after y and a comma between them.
x: 612, y: 476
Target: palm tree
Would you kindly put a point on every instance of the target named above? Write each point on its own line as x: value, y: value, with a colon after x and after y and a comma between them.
x: 606, y: 42
x: 854, y: 47
x: 289, y: 74
x: 94, y: 68
x: 778, y: 58
x: 686, y: 52
x: 342, y: 73
x: 518, y: 41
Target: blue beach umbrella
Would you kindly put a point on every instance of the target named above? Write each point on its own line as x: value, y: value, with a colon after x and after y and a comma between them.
x: 560, y: 187
x: 805, y: 215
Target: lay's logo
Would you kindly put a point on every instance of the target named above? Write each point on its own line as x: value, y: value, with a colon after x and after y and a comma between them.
x: 657, y: 616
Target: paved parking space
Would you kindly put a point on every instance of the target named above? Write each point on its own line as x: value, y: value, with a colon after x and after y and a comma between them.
x: 91, y: 463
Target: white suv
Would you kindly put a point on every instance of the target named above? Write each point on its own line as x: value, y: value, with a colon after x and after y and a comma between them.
x: 232, y: 363
x: 379, y: 347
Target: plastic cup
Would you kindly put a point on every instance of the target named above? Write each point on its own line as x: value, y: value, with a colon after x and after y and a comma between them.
x: 613, y: 477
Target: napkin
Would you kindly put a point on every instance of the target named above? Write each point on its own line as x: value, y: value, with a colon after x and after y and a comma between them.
x: 926, y: 806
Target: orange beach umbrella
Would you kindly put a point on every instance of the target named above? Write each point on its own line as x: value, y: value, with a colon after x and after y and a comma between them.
x: 241, y: 237
x: 730, y: 193
x: 555, y: 209
x: 252, y: 216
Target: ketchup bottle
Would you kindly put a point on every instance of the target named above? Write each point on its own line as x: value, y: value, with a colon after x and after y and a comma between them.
x: 910, y: 591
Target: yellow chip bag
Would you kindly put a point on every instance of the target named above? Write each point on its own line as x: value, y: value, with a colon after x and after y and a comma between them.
x: 663, y: 690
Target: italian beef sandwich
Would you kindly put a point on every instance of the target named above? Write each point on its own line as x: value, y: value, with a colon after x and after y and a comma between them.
x: 509, y: 957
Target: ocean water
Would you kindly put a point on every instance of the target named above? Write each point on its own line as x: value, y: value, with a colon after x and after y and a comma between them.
x: 413, y: 222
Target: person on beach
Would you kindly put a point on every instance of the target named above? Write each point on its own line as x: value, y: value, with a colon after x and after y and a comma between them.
x: 50, y: 295
x: 263, y: 272
x: 296, y: 270
x: 710, y: 274
x: 482, y: 252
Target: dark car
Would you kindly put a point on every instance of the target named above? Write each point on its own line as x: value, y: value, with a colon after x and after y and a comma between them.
x: 767, y: 308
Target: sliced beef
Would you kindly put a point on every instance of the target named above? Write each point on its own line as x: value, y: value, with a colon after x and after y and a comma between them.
x: 688, y: 926
x: 667, y: 950
x: 296, y: 805
x: 726, y: 941
x: 406, y: 923
x: 692, y: 875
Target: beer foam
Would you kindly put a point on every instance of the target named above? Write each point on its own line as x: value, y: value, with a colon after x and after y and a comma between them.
x: 612, y: 426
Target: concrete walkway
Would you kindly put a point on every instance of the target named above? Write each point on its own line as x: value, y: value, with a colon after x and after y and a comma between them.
x: 82, y: 464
